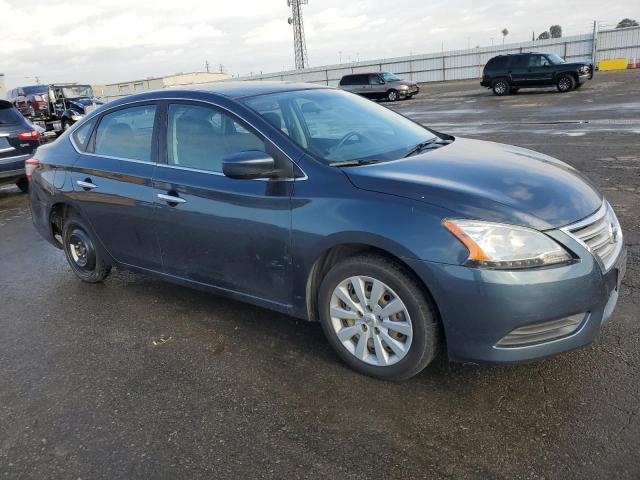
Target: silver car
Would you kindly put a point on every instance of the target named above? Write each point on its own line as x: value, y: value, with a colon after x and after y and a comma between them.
x: 379, y: 85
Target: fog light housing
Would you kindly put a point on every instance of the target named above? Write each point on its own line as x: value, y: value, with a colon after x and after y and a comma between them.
x: 542, y: 332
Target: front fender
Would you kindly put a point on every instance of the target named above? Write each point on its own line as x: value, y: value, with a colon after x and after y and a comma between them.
x: 403, y: 228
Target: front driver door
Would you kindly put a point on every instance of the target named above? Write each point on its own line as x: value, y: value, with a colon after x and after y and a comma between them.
x: 540, y: 70
x: 214, y: 230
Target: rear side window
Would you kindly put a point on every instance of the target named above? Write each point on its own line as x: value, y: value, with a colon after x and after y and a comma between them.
x: 497, y: 63
x: 355, y: 80
x: 347, y: 80
x: 520, y: 61
x: 82, y: 133
x: 10, y: 116
x: 126, y: 133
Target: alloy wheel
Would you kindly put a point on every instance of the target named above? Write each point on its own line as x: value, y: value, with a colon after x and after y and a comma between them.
x: 564, y: 84
x: 371, y: 321
x: 501, y: 88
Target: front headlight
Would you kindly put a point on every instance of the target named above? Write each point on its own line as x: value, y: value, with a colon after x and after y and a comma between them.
x: 76, y: 116
x: 496, y: 245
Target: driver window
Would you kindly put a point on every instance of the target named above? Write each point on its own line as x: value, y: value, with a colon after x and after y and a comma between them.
x: 538, y: 61
x: 201, y: 137
x: 375, y: 80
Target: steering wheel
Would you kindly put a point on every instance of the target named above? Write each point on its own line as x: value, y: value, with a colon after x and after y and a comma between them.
x: 346, y: 137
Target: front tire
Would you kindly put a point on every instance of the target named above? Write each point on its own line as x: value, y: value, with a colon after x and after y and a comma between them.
x: 85, y: 259
x: 392, y: 95
x: 500, y: 87
x: 376, y: 317
x: 565, y: 83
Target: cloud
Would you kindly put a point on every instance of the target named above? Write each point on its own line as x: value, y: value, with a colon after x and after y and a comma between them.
x: 104, y: 41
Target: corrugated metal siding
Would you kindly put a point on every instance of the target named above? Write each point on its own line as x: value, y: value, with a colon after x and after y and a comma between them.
x: 468, y: 63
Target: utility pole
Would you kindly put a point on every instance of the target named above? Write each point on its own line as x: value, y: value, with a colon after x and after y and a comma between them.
x: 299, y: 43
x: 206, y: 65
x: 594, y: 44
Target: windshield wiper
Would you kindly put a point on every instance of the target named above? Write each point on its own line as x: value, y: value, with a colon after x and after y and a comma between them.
x: 420, y: 146
x: 353, y: 163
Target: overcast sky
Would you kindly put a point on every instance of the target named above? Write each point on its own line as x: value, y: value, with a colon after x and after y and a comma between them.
x: 106, y: 41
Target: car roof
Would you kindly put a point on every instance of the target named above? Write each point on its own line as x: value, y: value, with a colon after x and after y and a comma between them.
x: 372, y: 72
x: 521, y: 53
x: 230, y: 89
x: 250, y: 88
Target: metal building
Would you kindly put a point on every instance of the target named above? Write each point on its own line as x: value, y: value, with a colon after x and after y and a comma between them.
x: 112, y: 91
x: 3, y: 87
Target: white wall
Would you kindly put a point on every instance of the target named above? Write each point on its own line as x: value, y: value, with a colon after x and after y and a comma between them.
x: 468, y: 63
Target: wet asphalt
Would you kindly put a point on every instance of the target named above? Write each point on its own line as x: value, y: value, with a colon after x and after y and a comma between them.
x: 138, y: 378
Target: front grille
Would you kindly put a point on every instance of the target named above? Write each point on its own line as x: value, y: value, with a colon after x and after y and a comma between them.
x: 601, y: 234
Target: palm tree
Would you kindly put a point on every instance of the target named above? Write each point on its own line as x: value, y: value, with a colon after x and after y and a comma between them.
x: 504, y: 33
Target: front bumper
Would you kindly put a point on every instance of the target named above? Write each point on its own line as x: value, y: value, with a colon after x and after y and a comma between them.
x: 478, y: 308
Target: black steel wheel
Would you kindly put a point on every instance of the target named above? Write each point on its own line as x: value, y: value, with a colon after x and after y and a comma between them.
x: 81, y: 252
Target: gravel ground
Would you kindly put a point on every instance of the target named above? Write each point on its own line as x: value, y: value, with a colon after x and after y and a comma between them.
x: 237, y: 391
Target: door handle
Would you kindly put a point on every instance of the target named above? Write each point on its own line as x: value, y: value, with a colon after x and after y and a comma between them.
x: 171, y: 198
x: 86, y: 185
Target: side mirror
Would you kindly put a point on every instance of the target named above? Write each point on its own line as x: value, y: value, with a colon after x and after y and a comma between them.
x: 248, y: 164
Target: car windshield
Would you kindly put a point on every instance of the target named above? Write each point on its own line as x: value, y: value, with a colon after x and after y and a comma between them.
x: 77, y: 91
x: 555, y: 59
x: 390, y: 77
x: 337, y: 126
x: 35, y: 89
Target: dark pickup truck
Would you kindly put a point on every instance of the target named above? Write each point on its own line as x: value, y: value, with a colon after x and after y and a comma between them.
x: 509, y: 73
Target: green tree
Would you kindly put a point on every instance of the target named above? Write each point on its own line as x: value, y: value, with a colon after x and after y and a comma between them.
x: 627, y: 22
x: 544, y: 36
x: 555, y: 31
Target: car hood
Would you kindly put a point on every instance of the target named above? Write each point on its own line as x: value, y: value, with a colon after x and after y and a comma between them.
x: 575, y: 64
x: 487, y: 181
x: 409, y: 83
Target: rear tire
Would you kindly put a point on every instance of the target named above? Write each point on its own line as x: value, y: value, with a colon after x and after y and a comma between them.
x: 363, y: 333
x: 565, y: 83
x: 500, y: 87
x: 85, y: 259
x: 23, y: 185
x: 392, y: 95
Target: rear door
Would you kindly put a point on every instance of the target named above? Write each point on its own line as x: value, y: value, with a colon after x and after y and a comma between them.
x: 518, y: 69
x: 215, y: 230
x: 360, y: 84
x: 112, y: 183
